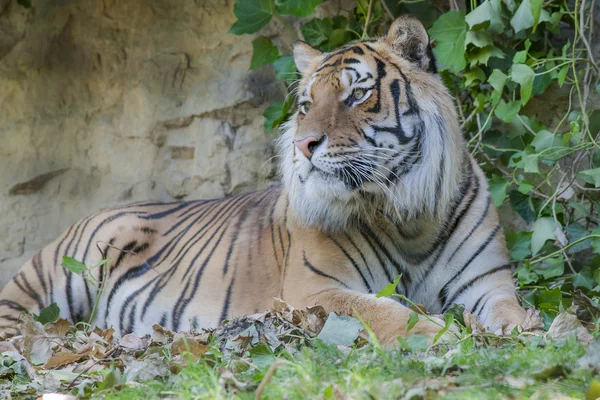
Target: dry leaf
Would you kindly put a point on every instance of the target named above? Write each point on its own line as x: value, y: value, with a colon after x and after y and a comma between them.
x: 566, y: 324
x: 62, y: 358
x: 132, y: 342
x: 189, y: 345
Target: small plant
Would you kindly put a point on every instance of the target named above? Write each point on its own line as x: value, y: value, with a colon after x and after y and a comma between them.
x: 79, y: 268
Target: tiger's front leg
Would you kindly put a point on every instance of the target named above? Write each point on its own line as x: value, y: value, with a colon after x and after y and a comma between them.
x: 387, y: 318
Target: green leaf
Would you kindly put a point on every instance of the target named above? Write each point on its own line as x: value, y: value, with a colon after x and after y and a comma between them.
x: 498, y: 187
x: 497, y: 79
x: 73, y: 265
x: 520, y: 57
x: 523, y: 18
x: 523, y: 75
x: 486, y: 15
x: 549, y: 145
x: 590, y: 176
x: 390, y: 288
x: 25, y: 3
x: 526, y: 276
x: 299, y: 8
x: 275, y: 114
x: 251, y: 15
x: 478, y: 38
x: 536, y: 9
x: 285, y: 68
x: 264, y: 52
x: 530, y: 160
x: 474, y: 75
x: 522, y: 205
x: 341, y: 330
x: 562, y: 75
x: 482, y: 56
x: 507, y: 111
x: 543, y: 230
x: 412, y: 321
x: 575, y: 232
x: 450, y: 31
x: 48, y: 314
x: 458, y: 312
x: 552, y: 299
x: 585, y: 278
x: 551, y: 267
x: 316, y: 32
x: 519, y: 245
x: 262, y: 356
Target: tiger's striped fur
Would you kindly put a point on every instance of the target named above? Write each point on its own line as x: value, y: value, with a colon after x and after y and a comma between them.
x: 373, y: 186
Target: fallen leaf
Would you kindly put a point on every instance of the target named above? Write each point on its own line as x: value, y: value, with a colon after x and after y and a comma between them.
x: 341, y: 330
x: 131, y: 341
x: 188, y: 345
x: 62, y: 358
x: 566, y: 324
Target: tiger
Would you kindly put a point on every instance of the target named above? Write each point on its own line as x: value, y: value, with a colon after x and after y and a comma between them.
x: 376, y: 183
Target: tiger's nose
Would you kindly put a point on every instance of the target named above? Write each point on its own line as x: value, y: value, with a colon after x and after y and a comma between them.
x: 308, y: 144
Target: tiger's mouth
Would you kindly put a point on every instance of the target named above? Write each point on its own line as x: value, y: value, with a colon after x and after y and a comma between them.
x: 346, y: 174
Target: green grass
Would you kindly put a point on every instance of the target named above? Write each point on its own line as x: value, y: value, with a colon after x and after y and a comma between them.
x: 519, y: 368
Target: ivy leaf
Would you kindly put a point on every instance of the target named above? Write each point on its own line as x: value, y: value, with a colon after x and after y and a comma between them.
x: 263, y: 52
x: 390, y: 288
x: 498, y: 186
x: 519, y: 245
x: 487, y: 14
x: 523, y: 18
x: 497, y: 79
x: 275, y: 114
x: 523, y: 75
x: 285, y: 68
x: 530, y: 161
x: 479, y: 38
x: 450, y: 31
x: 482, y: 56
x: 317, y: 31
x: 251, y: 15
x: 590, y: 176
x: 584, y: 278
x: 342, y: 330
x: 522, y: 205
x: 536, y: 10
x: 25, y: 3
x: 412, y: 321
x: 575, y: 232
x: 551, y: 267
x: 474, y: 75
x: 299, y: 8
x: 543, y: 230
x: 507, y: 111
x: 77, y: 267
x: 48, y: 314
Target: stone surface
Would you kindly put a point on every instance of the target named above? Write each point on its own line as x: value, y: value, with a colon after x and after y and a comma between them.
x: 109, y: 102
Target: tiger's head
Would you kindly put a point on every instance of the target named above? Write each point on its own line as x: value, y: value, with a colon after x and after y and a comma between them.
x: 375, y: 130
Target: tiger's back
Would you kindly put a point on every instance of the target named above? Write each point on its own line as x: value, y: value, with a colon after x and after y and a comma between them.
x: 181, y: 265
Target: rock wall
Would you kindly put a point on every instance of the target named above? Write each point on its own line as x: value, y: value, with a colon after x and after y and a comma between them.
x: 106, y: 102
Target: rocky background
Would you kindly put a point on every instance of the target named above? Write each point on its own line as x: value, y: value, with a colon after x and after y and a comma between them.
x: 106, y: 102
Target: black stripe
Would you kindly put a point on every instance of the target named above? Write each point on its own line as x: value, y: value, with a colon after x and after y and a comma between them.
x: 467, y: 285
x: 473, y: 229
x: 356, y: 267
x: 442, y: 296
x: 225, y: 310
x: 321, y: 273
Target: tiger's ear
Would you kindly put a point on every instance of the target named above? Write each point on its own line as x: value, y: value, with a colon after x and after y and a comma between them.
x: 409, y: 39
x: 305, y: 55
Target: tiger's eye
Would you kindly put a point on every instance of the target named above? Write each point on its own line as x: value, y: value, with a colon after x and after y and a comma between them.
x: 358, y: 94
x: 304, y: 107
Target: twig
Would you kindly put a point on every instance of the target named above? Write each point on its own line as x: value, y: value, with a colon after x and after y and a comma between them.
x: 387, y: 10
x: 267, y: 378
x: 364, y: 34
